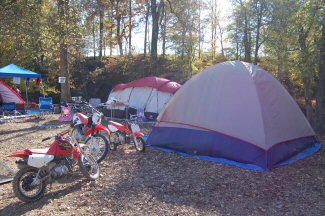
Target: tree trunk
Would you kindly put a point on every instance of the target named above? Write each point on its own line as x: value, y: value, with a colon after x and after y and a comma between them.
x: 200, y: 36
x: 104, y: 45
x: 164, y: 30
x: 101, y: 28
x: 130, y: 27
x: 65, y: 87
x: 111, y: 30
x: 257, y: 40
x: 246, y: 38
x: 119, y: 35
x: 155, y: 29
x: 321, y: 85
x: 306, y: 74
x: 155, y: 13
x: 221, y: 40
x: 146, y: 29
x: 260, y: 6
x: 94, y: 39
x: 309, y: 108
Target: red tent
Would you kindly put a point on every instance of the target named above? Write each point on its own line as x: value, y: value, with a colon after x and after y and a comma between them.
x: 8, y: 95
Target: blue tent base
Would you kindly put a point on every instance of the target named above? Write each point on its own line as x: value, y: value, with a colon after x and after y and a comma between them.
x: 303, y: 154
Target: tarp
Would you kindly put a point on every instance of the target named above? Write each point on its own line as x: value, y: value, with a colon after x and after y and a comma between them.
x: 8, y: 95
x: 237, y: 111
x: 162, y: 84
x: 150, y: 94
x: 13, y: 70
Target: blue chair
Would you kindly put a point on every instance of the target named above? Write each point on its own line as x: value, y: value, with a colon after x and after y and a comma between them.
x: 46, y: 105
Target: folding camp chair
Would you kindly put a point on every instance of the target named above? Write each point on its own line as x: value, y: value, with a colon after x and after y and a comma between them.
x: 46, y: 105
x: 139, y: 117
x: 9, y: 109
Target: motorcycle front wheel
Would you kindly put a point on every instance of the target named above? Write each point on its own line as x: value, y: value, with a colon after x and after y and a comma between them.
x: 140, y: 145
x: 23, y: 187
x: 88, y: 166
x: 98, y: 146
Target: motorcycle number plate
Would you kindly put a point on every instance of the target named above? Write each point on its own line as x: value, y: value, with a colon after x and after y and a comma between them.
x: 111, y: 128
x: 39, y: 160
x: 135, y: 128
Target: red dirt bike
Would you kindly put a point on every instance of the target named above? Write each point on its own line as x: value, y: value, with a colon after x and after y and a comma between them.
x: 90, y: 130
x: 40, y: 167
x: 125, y: 134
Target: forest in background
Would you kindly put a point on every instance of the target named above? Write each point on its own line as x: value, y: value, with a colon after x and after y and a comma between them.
x: 95, y: 42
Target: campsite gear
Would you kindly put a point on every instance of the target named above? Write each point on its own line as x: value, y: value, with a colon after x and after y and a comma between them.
x: 9, y: 109
x: 89, y: 129
x: 95, y: 102
x: 139, y: 116
x: 38, y: 83
x: 150, y: 94
x: 46, y: 105
x: 66, y: 114
x: 125, y: 134
x: 40, y: 167
x: 234, y: 110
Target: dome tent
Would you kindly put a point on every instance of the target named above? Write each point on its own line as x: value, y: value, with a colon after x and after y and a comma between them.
x: 8, y: 95
x: 149, y: 93
x: 234, y: 110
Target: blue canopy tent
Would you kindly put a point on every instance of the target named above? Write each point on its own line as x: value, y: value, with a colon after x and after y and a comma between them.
x: 13, y: 70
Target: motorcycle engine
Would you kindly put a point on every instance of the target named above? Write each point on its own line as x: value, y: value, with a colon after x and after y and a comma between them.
x: 117, y: 138
x: 59, y: 170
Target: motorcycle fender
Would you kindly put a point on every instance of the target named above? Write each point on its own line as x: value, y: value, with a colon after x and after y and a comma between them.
x: 87, y: 133
x: 20, y: 153
x: 139, y: 134
x: 112, y: 128
x: 100, y: 127
x: 39, y: 160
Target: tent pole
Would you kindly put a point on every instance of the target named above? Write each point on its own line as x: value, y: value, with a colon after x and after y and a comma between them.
x: 26, y: 93
x: 43, y: 90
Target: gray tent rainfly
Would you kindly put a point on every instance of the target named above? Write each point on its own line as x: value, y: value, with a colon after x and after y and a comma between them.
x: 234, y: 110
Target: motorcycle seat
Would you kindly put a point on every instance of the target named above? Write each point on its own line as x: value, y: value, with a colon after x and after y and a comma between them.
x: 115, y: 123
x: 39, y: 151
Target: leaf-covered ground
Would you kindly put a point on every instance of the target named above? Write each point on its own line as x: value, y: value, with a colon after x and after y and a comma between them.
x: 160, y: 183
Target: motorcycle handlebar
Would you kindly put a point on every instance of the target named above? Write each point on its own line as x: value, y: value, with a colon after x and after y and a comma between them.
x: 56, y: 135
x: 47, y: 138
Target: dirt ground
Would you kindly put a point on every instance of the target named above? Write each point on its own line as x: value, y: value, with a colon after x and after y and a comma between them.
x: 160, y: 183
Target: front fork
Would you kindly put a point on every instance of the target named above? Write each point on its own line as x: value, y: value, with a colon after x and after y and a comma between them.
x: 37, y: 180
x: 93, y: 147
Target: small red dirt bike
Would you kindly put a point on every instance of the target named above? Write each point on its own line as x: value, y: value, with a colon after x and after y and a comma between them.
x: 40, y: 167
x: 90, y: 130
x: 125, y: 134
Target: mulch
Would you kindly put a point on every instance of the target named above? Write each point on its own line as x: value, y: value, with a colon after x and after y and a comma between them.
x: 160, y: 183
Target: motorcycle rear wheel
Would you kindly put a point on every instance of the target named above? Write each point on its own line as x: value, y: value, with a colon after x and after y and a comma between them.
x: 88, y: 166
x: 22, y: 185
